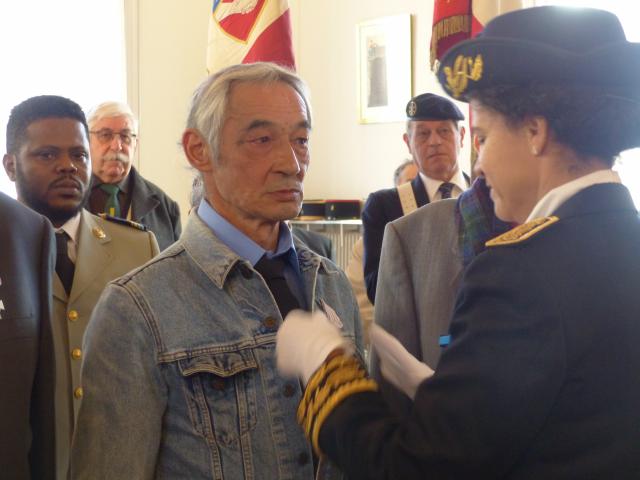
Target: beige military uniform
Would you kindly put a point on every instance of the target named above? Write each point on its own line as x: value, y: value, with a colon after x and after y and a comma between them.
x: 105, y: 251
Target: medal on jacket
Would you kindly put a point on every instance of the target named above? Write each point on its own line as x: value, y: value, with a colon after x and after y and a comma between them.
x: 331, y: 314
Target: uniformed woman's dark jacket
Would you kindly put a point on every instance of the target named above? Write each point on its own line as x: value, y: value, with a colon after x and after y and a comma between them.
x: 542, y: 377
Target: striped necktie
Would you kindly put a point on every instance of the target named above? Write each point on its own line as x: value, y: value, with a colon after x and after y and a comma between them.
x: 445, y: 190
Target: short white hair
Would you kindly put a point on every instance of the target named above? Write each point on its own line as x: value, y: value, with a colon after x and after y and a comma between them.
x: 209, y: 102
x: 111, y: 109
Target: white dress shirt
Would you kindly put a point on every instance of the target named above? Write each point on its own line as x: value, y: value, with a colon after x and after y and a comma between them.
x: 432, y: 185
x: 556, y: 197
x: 70, y: 227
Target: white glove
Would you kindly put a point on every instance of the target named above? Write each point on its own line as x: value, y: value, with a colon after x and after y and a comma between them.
x: 304, y: 341
x: 397, y: 365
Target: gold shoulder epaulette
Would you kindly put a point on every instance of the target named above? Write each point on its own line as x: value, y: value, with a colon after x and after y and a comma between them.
x: 123, y: 221
x: 522, y: 232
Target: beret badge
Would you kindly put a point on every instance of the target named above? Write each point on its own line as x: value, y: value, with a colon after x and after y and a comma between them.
x: 464, y: 69
x: 412, y: 108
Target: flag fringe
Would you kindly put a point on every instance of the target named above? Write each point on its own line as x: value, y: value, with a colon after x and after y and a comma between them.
x: 445, y: 28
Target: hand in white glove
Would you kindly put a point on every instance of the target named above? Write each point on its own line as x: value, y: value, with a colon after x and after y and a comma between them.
x: 397, y: 365
x: 304, y: 341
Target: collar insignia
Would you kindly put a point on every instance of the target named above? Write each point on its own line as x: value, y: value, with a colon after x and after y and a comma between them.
x: 522, y: 232
x: 98, y: 233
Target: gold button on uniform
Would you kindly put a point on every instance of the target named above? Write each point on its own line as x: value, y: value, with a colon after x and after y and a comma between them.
x: 78, y: 392
x: 98, y: 233
x: 72, y: 315
x: 76, y: 353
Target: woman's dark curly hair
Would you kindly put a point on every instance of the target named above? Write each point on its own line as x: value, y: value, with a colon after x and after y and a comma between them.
x: 590, y: 121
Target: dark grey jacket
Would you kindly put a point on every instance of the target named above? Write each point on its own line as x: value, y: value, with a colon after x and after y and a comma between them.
x: 153, y: 208
x: 26, y: 351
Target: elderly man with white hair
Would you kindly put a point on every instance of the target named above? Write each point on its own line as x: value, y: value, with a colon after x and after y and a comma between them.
x: 117, y: 188
x: 180, y: 368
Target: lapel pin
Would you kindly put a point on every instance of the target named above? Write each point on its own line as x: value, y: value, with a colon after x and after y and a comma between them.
x: 98, y: 232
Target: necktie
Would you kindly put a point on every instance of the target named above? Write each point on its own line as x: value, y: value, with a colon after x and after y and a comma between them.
x: 112, y: 207
x: 64, y: 266
x: 445, y: 190
x: 272, y: 270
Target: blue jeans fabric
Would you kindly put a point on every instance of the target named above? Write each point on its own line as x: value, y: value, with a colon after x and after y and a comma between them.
x: 179, y: 372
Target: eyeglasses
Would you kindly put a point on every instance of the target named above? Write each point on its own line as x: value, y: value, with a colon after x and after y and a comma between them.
x: 107, y: 136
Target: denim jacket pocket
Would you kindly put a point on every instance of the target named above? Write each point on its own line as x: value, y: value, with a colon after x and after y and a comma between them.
x: 220, y: 390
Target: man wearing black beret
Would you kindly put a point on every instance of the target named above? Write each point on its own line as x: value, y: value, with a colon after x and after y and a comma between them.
x: 433, y: 138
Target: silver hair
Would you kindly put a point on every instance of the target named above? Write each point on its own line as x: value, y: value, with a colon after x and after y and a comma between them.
x: 111, y: 109
x: 208, y: 108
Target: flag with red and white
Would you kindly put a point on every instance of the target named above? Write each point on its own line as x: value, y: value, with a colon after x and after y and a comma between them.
x: 458, y: 20
x: 247, y: 31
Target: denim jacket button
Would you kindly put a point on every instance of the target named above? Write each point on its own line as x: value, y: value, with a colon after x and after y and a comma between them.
x: 288, y: 390
x: 246, y: 272
x: 270, y: 323
x: 218, y: 383
x: 303, y: 458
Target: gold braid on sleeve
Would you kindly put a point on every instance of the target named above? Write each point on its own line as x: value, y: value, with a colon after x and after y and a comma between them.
x: 339, y: 377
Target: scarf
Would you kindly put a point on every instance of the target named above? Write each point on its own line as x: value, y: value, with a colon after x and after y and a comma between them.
x: 476, y: 220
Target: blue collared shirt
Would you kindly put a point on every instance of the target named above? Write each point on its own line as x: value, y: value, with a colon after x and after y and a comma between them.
x: 246, y: 248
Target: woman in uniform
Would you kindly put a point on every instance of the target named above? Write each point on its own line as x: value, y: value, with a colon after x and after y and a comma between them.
x: 541, y: 379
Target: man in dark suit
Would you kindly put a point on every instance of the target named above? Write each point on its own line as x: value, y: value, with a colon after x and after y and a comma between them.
x: 117, y: 188
x: 26, y: 350
x: 434, y: 139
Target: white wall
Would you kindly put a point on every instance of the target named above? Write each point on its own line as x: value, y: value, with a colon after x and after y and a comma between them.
x: 349, y: 160
x: 171, y: 47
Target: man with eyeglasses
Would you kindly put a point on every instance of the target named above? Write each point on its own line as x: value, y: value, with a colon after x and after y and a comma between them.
x: 117, y: 188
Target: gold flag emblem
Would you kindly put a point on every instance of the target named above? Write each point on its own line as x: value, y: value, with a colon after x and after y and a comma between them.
x: 464, y: 69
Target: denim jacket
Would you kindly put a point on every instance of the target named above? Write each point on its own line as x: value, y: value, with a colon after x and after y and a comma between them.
x: 179, y: 373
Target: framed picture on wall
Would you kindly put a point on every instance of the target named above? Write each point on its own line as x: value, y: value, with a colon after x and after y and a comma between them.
x: 384, y: 68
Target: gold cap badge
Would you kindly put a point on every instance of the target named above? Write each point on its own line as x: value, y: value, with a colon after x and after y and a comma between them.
x: 463, y: 70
